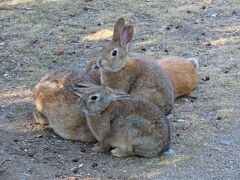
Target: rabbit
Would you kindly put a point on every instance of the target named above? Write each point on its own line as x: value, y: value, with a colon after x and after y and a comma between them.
x: 130, y: 125
x: 56, y: 104
x: 137, y: 76
x: 182, y: 72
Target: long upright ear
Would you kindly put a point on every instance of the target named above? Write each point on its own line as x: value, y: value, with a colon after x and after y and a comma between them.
x: 117, y: 29
x: 126, y: 35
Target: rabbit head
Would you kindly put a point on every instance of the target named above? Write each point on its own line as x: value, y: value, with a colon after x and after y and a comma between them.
x: 93, y: 70
x: 113, y: 57
x: 95, y: 99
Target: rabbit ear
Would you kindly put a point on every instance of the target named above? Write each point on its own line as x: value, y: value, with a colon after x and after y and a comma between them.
x: 118, y: 94
x: 117, y: 29
x: 126, y: 35
x: 80, y: 88
x: 122, y: 96
x: 84, y: 85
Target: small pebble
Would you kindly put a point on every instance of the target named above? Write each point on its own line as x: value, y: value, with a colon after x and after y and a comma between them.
x: 1, y: 108
x: 208, y: 44
x: 94, y: 164
x: 31, y: 154
x: 85, y: 8
x: 206, y: 78
x: 72, y: 15
x: 168, y: 28
x: 181, y: 120
x: 34, y: 41
x: 183, y: 124
x: 170, y: 116
x: 75, y: 160
x: 74, y: 41
x: 170, y: 152
x: 213, y: 15
x: 226, y: 70
x: 75, y: 170
x: 9, y: 116
x: 59, y: 52
x: 80, y: 165
x: 83, y: 150
x: 234, y: 12
x: 178, y: 27
x: 72, y: 53
x: 225, y: 142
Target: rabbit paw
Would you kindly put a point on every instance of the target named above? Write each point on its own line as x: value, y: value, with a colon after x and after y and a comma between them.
x: 99, y: 148
x: 119, y: 153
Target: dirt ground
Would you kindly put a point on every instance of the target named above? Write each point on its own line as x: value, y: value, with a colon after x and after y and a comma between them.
x: 41, y: 36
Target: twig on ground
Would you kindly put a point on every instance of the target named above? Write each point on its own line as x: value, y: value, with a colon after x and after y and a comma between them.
x: 4, y: 131
x: 14, y: 8
x: 2, y: 162
x: 234, y: 32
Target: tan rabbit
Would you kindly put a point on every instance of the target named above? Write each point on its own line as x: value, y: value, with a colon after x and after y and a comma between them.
x: 136, y: 76
x: 130, y: 125
x: 56, y: 104
x: 182, y: 72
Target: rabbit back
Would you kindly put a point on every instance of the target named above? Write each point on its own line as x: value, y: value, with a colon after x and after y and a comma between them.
x: 58, y: 104
x: 182, y: 72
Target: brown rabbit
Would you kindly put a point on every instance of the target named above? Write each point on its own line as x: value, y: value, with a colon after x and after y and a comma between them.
x: 130, y: 125
x: 56, y: 104
x: 136, y: 76
x: 182, y: 72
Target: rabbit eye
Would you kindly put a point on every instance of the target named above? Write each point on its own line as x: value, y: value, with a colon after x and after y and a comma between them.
x: 93, y: 98
x: 114, y: 52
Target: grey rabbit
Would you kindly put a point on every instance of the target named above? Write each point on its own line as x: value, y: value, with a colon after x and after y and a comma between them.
x: 130, y: 125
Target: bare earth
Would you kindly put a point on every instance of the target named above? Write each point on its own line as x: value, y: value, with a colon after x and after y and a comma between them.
x: 38, y: 37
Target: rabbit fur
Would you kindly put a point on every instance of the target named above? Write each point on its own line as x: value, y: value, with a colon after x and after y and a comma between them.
x: 130, y: 125
x: 56, y: 104
x: 182, y: 72
x: 135, y: 75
